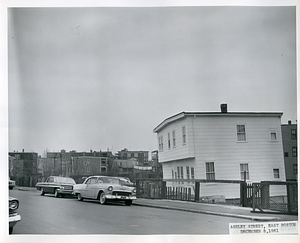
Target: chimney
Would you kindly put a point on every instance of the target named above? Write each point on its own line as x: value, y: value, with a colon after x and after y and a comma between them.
x: 290, y: 122
x: 23, y: 150
x: 223, y: 108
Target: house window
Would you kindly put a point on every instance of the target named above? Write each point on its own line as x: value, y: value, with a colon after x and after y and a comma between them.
x: 276, y: 173
x: 181, y: 171
x: 241, y: 133
x: 273, y: 135
x: 178, y: 172
x: 210, y: 171
x: 174, y: 141
x: 187, y: 172
x: 183, y: 135
x: 192, y: 173
x: 286, y: 154
x: 295, y: 169
x: 160, y: 143
x: 244, y: 167
x: 172, y: 174
x: 294, y: 133
x: 294, y: 151
x: 169, y: 140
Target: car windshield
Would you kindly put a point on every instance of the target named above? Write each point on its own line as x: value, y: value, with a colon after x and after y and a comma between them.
x: 65, y: 180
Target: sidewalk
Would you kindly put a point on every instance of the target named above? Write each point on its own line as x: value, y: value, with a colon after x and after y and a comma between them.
x: 194, y: 207
x: 213, y: 209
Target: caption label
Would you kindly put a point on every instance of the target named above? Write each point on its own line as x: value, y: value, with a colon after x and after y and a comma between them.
x: 287, y: 227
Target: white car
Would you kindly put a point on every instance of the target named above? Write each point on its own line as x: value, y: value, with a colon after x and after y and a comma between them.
x: 104, y: 189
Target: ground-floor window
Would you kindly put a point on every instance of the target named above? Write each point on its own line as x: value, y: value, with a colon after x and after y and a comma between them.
x: 276, y: 173
x: 243, y: 168
x: 210, y: 170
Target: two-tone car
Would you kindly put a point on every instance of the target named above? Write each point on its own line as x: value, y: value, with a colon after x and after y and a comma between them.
x: 14, y: 217
x: 57, y: 185
x: 105, y: 189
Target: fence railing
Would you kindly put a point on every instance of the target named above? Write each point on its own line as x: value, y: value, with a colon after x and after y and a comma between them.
x: 281, y: 197
x: 189, y: 190
x: 267, y: 195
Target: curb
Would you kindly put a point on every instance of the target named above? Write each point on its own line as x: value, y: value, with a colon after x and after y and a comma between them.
x: 209, y: 212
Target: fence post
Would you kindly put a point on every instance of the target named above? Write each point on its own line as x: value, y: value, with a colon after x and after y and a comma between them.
x: 197, y: 190
x: 288, y: 198
x: 243, y: 194
x: 265, y: 195
x: 163, y: 189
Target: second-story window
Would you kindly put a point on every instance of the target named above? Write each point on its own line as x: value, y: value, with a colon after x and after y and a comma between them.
x: 294, y: 151
x: 241, y: 133
x: 294, y: 133
x: 273, y: 135
x: 160, y: 143
x: 169, y: 141
x: 174, y: 139
x: 183, y: 135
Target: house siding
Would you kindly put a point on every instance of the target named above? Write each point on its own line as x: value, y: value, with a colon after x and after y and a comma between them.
x: 214, y: 139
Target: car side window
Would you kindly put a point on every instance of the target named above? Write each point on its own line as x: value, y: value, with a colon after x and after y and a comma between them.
x: 99, y: 181
x: 91, y: 181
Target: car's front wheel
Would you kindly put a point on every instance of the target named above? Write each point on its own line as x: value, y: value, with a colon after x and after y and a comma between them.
x: 79, y: 197
x: 56, y: 193
x: 42, y: 192
x: 103, y: 199
x: 11, y: 230
x: 128, y: 202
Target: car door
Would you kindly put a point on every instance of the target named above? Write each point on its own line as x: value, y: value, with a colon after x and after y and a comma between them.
x: 91, y: 187
x: 48, y: 185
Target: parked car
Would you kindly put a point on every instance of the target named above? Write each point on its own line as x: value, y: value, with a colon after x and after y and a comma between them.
x: 11, y: 184
x: 104, y: 189
x: 59, y: 186
x: 14, y: 217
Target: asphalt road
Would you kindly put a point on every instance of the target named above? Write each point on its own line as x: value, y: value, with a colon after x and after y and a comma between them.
x: 67, y: 216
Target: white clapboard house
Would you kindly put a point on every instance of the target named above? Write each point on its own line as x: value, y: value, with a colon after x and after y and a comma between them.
x: 221, y: 146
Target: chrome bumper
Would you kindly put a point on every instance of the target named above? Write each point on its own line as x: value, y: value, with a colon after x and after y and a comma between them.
x: 13, y: 219
x: 120, y: 197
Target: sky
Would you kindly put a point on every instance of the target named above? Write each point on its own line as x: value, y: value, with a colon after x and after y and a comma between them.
x: 103, y: 78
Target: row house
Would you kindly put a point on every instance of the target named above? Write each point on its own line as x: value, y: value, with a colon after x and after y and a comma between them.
x: 140, y: 156
x: 23, y: 167
x: 221, y: 146
x: 289, y: 141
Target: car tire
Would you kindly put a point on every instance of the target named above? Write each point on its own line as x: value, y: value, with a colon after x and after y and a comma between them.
x: 11, y: 229
x: 128, y: 202
x: 42, y: 193
x: 56, y: 193
x: 102, y: 199
x: 11, y: 187
x: 79, y: 197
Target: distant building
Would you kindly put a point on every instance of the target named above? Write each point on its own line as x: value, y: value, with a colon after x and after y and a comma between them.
x: 23, y: 167
x: 221, y: 146
x: 289, y: 141
x: 140, y: 156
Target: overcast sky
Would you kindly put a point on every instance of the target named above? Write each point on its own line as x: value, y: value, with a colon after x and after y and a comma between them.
x: 104, y: 78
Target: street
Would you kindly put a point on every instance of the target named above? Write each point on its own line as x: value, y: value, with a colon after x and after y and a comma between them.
x: 50, y: 215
